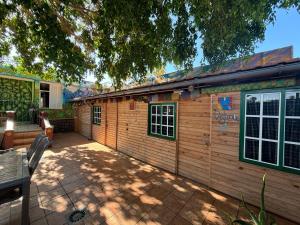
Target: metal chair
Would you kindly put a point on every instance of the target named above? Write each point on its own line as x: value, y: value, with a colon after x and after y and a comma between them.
x: 15, y: 193
x: 33, y: 146
x: 37, y: 155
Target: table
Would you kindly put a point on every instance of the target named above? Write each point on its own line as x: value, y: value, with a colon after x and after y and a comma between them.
x: 14, y: 173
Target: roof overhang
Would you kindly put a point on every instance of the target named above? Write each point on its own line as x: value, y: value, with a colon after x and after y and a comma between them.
x: 288, y: 69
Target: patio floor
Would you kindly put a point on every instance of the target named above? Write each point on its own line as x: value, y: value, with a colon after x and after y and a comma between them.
x: 115, y: 189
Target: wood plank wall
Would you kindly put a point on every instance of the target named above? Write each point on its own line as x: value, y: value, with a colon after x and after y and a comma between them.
x: 233, y: 177
x: 134, y: 140
x: 111, y: 124
x: 207, y: 154
x: 193, y: 125
x: 84, y: 120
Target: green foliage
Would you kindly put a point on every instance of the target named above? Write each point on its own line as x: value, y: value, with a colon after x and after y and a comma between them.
x: 262, y: 218
x: 66, y: 113
x: 16, y: 95
x: 128, y: 39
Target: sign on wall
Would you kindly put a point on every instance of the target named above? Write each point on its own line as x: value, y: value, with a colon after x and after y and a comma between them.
x: 223, y: 111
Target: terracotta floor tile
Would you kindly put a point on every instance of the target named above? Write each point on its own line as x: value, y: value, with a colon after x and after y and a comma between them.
x: 173, y: 203
x: 115, y: 189
x: 57, y: 218
x: 94, y: 220
x: 36, y: 213
x: 34, y: 201
x: 41, y: 221
x: 59, y: 205
x: 159, y: 193
x: 48, y: 185
x: 195, y: 214
x: 159, y: 215
x: 73, y: 186
x: 45, y: 196
x: 70, y: 179
x: 179, y: 220
x: 122, y: 219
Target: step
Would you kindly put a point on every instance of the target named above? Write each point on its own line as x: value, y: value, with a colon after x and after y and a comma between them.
x: 23, y: 141
x: 27, y: 134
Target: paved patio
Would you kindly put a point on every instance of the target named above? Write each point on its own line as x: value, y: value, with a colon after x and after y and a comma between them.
x: 115, y: 189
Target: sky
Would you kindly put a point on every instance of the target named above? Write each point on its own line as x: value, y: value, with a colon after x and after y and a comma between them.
x: 284, y: 32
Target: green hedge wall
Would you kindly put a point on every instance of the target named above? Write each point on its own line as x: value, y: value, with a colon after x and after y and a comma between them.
x: 16, y: 95
x: 66, y: 113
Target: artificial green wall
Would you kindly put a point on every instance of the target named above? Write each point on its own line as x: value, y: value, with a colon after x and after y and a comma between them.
x: 16, y: 95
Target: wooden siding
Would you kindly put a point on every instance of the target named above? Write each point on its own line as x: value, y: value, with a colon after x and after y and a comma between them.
x: 193, y: 125
x: 111, y: 124
x: 98, y: 131
x: 208, y: 151
x: 233, y: 177
x: 134, y: 140
x: 84, y: 120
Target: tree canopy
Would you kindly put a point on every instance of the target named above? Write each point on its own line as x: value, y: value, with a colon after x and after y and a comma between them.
x: 129, y: 38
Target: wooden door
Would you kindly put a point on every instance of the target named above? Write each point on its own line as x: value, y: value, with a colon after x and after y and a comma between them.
x: 111, y: 124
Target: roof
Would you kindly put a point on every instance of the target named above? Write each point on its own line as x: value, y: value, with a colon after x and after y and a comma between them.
x: 7, y: 71
x: 262, y: 65
x: 286, y: 69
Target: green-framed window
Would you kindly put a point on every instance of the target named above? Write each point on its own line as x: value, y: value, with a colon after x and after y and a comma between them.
x: 270, y: 129
x: 97, y: 115
x: 162, y: 120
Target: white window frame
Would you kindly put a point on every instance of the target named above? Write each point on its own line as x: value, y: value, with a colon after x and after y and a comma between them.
x: 260, y: 139
x: 161, y: 116
x: 97, y: 115
x: 284, y: 141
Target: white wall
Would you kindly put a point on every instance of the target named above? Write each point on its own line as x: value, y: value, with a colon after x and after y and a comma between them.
x: 55, y: 95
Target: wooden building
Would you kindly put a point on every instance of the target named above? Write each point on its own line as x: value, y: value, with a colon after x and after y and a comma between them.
x: 223, y: 129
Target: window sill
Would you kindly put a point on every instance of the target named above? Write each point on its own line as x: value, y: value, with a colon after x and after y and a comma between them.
x: 162, y: 137
x: 270, y: 166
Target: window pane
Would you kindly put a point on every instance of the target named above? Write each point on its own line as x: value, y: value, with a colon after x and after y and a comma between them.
x: 292, y: 130
x: 153, y: 129
x: 165, y: 110
x: 253, y: 104
x: 270, y: 128
x: 164, y: 130
x: 251, y: 149
x: 153, y: 109
x: 269, y: 152
x: 170, y: 131
x: 153, y: 119
x: 292, y: 103
x: 252, y: 127
x: 171, y: 120
x: 158, y: 129
x: 171, y: 110
x: 158, y: 110
x: 164, y: 120
x: 271, y: 104
x: 158, y: 118
x: 292, y: 156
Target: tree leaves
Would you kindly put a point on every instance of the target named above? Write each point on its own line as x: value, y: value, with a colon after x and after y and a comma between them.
x: 128, y: 39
